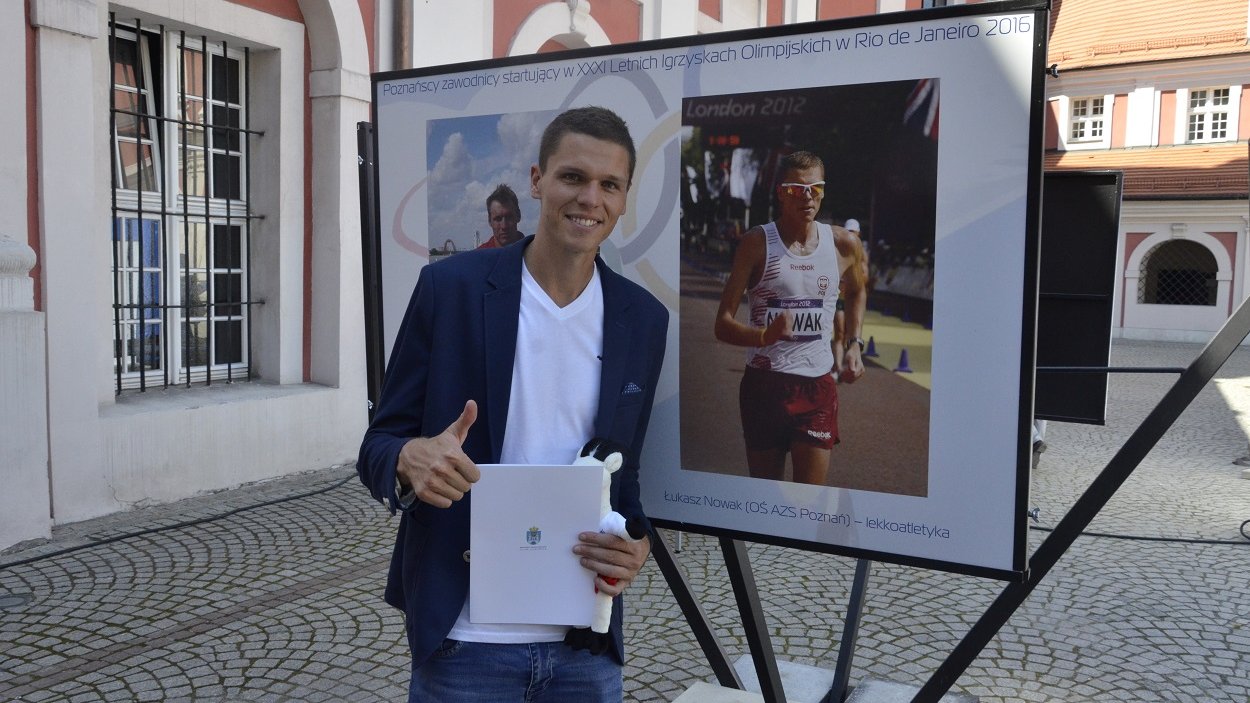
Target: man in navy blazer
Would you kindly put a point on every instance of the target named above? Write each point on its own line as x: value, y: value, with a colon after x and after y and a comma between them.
x: 448, y: 401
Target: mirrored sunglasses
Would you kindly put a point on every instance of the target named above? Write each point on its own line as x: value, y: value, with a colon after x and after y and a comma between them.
x: 803, y: 190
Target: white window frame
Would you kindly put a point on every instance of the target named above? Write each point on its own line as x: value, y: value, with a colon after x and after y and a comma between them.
x: 1089, y: 115
x: 127, y: 202
x: 1068, y: 120
x: 201, y: 211
x: 1231, y: 110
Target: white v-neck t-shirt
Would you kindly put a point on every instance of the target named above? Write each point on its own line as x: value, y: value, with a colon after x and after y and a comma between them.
x: 551, y: 409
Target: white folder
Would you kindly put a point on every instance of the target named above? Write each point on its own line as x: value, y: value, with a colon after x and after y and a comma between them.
x: 524, y: 521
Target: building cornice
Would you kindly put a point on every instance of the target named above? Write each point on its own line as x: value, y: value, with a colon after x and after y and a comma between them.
x: 1229, y: 69
x: 76, y: 17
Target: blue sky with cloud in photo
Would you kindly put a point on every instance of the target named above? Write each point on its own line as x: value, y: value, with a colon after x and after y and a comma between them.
x: 468, y: 157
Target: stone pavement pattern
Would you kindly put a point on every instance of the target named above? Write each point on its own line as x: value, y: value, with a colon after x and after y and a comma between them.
x: 282, y: 602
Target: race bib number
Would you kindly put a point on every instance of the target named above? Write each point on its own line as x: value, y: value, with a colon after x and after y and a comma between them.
x: 807, y: 317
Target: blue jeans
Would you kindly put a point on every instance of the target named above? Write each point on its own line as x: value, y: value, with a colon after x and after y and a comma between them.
x: 544, y: 672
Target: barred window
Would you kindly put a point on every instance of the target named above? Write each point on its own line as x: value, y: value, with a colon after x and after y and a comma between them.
x: 1087, y: 119
x: 1179, y: 272
x: 181, y: 222
x: 1208, y: 115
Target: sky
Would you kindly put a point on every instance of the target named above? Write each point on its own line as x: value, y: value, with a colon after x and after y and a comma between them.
x: 468, y: 158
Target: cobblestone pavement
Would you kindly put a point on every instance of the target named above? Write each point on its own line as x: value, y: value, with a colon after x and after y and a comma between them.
x: 282, y: 602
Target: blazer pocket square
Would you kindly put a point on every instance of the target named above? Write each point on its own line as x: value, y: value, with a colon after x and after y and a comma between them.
x: 631, y: 388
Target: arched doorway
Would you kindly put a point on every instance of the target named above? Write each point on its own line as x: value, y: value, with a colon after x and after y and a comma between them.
x: 1176, y: 286
x: 1178, y: 272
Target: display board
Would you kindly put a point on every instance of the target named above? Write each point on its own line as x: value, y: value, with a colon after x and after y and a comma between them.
x: 1080, y: 212
x: 929, y: 126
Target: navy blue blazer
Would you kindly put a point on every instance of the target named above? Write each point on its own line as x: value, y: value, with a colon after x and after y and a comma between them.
x: 458, y: 341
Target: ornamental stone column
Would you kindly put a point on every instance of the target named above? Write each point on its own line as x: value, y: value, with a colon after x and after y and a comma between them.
x: 25, y: 509
x: 17, y: 288
x: 72, y: 71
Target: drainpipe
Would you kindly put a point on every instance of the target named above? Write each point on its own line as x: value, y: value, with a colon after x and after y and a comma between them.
x: 403, y: 34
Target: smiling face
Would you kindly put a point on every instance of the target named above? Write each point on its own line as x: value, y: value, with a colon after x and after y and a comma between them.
x: 581, y: 193
x: 801, y: 206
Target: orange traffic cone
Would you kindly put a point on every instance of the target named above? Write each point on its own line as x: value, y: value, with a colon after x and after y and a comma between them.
x: 902, y: 363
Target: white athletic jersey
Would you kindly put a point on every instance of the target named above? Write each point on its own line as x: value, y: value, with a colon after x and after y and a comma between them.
x: 807, y: 287
x: 551, y: 409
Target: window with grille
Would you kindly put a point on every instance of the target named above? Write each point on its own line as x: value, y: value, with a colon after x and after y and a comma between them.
x: 1179, y: 272
x: 1208, y: 115
x: 1087, y: 119
x: 180, y: 216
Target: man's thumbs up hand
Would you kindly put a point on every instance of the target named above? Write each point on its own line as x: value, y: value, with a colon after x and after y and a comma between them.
x: 436, y: 468
x: 460, y: 428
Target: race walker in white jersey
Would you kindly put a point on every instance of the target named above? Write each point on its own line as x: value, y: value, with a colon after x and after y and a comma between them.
x: 805, y: 287
x: 790, y: 270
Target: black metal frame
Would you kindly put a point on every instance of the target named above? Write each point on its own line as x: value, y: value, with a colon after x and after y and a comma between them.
x: 370, y: 261
x: 738, y: 563
x: 850, y: 633
x: 1017, y: 571
x: 746, y: 595
x: 167, y: 215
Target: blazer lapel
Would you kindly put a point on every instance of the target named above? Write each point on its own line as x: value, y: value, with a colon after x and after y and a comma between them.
x: 501, y: 311
x: 616, y: 348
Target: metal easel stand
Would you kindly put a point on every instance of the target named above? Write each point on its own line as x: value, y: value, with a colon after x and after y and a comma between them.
x: 717, y: 658
x: 738, y: 565
x: 850, y: 633
x: 1197, y: 375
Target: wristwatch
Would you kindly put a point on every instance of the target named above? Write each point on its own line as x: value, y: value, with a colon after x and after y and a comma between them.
x: 860, y: 342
